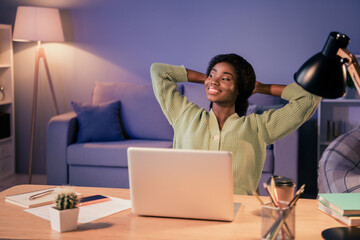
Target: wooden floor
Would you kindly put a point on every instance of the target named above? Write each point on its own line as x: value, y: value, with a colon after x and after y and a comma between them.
x: 21, y: 179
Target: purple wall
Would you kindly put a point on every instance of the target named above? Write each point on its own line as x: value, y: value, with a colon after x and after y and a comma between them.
x: 117, y: 40
x: 275, y: 36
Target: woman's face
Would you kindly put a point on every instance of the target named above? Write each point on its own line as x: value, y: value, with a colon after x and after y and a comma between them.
x: 221, y: 85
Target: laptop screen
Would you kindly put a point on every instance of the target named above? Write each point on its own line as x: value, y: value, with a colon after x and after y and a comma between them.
x: 181, y: 183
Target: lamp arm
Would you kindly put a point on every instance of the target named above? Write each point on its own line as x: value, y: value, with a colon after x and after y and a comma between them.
x: 352, y: 66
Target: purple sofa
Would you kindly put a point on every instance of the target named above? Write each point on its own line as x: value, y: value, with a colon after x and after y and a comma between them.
x: 104, y: 164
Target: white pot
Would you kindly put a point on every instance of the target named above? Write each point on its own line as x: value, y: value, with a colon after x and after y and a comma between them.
x: 63, y: 220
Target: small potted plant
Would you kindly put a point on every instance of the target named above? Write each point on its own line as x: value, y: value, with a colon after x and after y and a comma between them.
x: 64, y: 215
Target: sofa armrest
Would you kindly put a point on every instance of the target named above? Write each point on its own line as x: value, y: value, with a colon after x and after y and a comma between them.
x: 61, y: 132
x: 286, y: 156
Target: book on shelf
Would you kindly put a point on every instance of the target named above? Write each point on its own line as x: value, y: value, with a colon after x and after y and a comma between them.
x: 344, y: 203
x: 34, y: 198
x: 349, y: 220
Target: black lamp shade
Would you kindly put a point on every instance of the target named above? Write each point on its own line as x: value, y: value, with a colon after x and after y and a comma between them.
x: 325, y: 73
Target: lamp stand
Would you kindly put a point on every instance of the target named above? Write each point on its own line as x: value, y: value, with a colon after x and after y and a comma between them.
x: 40, y: 54
x: 352, y: 66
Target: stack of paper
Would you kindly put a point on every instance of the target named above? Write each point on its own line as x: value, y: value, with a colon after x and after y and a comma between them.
x: 343, y: 206
x: 89, y: 213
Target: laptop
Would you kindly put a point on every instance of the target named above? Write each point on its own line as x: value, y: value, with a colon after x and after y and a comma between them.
x: 195, y: 184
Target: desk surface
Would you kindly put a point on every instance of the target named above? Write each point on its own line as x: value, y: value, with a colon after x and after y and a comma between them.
x: 15, y: 223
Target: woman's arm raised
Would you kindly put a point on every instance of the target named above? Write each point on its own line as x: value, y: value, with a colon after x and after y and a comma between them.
x: 196, y: 77
x: 269, y: 89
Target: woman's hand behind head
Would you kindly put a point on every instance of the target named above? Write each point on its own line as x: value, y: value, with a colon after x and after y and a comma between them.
x: 258, y: 87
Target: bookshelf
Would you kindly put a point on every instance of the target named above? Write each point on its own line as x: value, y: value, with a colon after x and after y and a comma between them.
x: 336, y: 117
x: 7, y: 119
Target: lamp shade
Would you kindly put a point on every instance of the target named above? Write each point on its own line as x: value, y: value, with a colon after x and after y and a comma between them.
x: 38, y: 24
x: 325, y: 73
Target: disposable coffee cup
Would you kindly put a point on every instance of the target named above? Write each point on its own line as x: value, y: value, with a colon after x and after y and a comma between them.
x: 284, y: 188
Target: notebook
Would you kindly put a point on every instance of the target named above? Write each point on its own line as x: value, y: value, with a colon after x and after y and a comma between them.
x: 194, y: 184
x: 344, y: 203
x: 349, y: 220
x: 23, y: 200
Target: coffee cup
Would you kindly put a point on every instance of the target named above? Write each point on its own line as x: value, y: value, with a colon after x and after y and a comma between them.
x: 284, y: 188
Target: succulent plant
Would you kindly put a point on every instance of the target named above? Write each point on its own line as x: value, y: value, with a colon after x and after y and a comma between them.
x: 66, y: 199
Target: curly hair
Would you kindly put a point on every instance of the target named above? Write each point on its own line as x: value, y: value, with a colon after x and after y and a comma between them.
x: 245, y: 76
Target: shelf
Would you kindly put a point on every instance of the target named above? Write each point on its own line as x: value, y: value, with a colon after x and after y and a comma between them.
x: 336, y: 117
x: 7, y: 106
x: 341, y: 101
x: 4, y: 140
x: 5, y: 102
x: 325, y: 143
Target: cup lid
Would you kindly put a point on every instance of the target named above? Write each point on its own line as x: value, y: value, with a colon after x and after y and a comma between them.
x: 282, y: 181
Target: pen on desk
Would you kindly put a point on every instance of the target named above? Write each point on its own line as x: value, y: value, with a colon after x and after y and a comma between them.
x: 274, y: 192
x: 38, y: 195
x: 297, y: 195
x: 270, y: 194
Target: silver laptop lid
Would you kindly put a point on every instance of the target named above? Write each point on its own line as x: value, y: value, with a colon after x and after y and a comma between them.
x: 181, y: 183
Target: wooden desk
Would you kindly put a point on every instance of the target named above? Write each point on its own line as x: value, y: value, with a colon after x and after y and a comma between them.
x: 15, y: 223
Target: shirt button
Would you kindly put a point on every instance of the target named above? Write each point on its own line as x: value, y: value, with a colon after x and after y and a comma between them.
x: 216, y: 137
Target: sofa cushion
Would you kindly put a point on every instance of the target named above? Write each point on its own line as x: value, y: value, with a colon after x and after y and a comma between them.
x: 141, y: 113
x: 98, y: 122
x: 269, y: 161
x: 110, y: 154
x: 90, y: 176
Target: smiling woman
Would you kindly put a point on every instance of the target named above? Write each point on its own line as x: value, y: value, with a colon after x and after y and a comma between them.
x: 239, y: 75
x: 221, y: 85
x: 229, y: 82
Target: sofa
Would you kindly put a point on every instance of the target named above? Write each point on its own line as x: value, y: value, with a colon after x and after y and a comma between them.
x: 339, y: 165
x: 104, y: 163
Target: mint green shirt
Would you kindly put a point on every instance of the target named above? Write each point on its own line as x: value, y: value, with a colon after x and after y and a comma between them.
x: 245, y: 137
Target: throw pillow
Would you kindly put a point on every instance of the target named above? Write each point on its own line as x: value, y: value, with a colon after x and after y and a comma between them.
x: 98, y: 122
x: 252, y: 108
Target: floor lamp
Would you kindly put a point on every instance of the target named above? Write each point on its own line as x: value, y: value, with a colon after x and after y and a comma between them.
x: 38, y: 24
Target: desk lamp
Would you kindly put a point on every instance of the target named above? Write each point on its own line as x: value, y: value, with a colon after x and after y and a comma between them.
x: 38, y: 24
x: 324, y: 74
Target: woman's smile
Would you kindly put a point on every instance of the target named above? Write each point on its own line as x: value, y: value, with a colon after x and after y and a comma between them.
x: 212, y: 90
x: 221, y: 84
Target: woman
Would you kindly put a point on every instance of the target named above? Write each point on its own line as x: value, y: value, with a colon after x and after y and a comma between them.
x: 229, y: 82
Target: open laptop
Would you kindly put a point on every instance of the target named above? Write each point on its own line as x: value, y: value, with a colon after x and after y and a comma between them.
x: 181, y: 183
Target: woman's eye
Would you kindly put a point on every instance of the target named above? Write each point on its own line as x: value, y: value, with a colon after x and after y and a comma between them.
x: 226, y: 79
x: 210, y: 75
